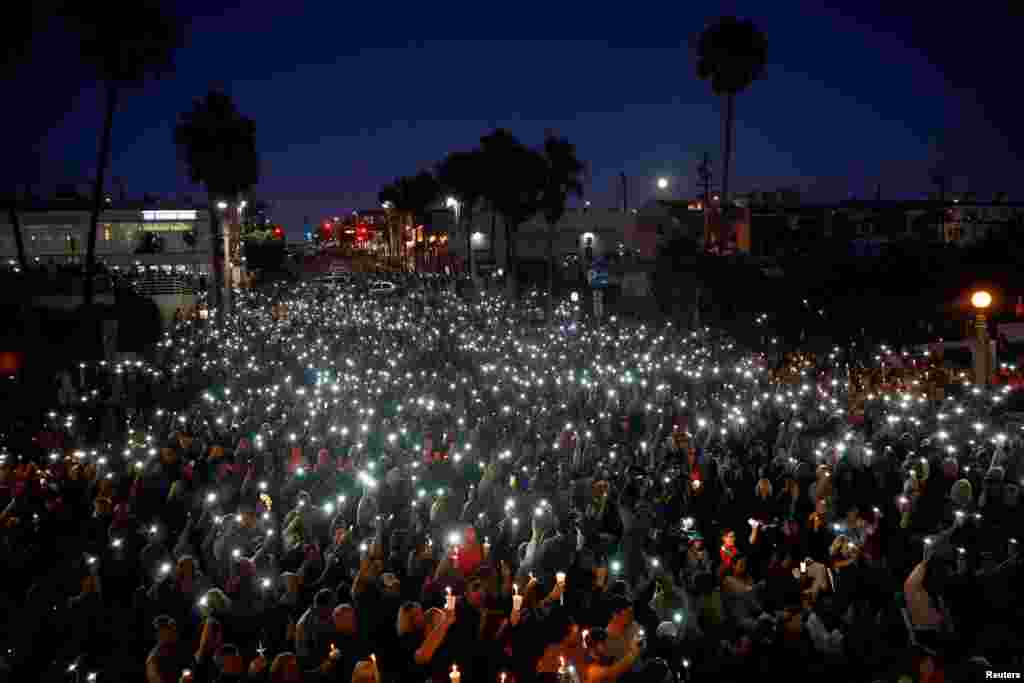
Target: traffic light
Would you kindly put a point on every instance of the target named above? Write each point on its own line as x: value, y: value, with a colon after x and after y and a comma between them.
x: 278, y: 232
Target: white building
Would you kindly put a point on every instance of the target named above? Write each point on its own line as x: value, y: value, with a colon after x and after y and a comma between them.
x: 57, y: 231
x: 604, y: 231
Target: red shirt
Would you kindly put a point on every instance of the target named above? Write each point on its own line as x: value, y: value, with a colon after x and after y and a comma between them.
x: 728, y: 554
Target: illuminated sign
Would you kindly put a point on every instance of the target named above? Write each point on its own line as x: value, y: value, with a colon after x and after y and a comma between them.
x: 189, y: 215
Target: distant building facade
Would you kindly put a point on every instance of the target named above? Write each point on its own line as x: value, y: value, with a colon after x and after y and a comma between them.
x: 128, y: 234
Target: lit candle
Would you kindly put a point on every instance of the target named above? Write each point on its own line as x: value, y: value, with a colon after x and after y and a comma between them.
x: 455, y: 675
x: 517, y: 599
x: 560, y: 578
x: 450, y: 599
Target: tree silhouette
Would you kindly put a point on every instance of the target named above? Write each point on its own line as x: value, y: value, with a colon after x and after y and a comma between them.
x: 731, y: 53
x: 514, y: 181
x: 411, y: 196
x: 217, y: 144
x: 121, y: 58
x: 563, y: 177
x: 461, y: 175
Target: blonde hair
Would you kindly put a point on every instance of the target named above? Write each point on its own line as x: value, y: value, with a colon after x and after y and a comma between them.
x: 841, y: 544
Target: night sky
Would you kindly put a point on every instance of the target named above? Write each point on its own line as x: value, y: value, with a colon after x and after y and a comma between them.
x: 346, y: 98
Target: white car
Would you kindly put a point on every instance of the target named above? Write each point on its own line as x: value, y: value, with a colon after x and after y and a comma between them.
x: 382, y: 287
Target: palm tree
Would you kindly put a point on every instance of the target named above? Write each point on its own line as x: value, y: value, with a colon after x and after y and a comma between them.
x: 461, y: 175
x: 410, y: 196
x: 19, y: 240
x: 563, y: 177
x: 121, y: 59
x: 731, y: 53
x: 513, y: 177
x: 217, y: 144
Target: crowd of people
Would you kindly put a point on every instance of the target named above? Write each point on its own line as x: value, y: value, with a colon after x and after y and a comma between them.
x: 374, y: 490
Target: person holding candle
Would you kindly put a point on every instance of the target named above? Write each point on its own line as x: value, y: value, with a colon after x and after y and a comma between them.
x: 562, y: 658
x: 604, y: 667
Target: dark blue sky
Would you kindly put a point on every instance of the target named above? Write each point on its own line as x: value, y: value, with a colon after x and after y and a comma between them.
x: 346, y: 98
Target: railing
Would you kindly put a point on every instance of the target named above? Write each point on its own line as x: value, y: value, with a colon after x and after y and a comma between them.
x: 164, y: 284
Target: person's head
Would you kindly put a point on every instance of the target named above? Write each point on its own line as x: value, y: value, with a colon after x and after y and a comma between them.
x: 852, y: 515
x: 390, y: 586
x: 285, y: 669
x: 411, y: 618
x: 231, y: 662
x: 247, y: 512
x: 345, y: 619
x: 729, y: 538
x: 323, y: 599
x: 597, y: 642
x: 697, y: 544
x: 166, y: 629
x: 292, y: 582
x: 103, y: 507
x: 839, y: 546
x: 89, y: 583
x: 475, y: 591
x: 819, y: 506
x: 185, y: 567
x: 168, y: 456
x: 621, y: 613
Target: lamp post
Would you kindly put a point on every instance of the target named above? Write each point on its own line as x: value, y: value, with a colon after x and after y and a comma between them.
x: 224, y: 293
x: 456, y: 206
x: 981, y: 301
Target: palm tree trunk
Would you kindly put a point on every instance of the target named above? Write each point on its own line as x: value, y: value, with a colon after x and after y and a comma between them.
x: 97, y: 191
x: 227, y: 276
x: 551, y: 272
x: 213, y: 286
x: 468, y: 223
x: 19, y: 240
x: 494, y: 216
x: 510, y: 266
x: 727, y: 146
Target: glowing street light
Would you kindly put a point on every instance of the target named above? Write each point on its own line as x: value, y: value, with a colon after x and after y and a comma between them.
x: 981, y: 300
x: 663, y: 183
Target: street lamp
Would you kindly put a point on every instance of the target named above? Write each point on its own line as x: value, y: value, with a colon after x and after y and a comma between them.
x: 981, y: 300
x: 222, y: 205
x: 663, y: 183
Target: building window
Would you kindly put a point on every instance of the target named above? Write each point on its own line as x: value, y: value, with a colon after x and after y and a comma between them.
x: 108, y: 234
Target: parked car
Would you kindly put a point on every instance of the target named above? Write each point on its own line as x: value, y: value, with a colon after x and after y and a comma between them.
x: 382, y: 288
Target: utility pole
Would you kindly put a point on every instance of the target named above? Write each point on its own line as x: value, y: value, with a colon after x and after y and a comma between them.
x: 625, y: 192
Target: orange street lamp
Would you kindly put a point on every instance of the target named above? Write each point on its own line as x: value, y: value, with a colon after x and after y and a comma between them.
x: 981, y: 299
